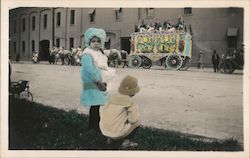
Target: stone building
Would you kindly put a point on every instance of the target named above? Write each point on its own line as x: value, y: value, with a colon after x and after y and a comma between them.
x: 38, y: 29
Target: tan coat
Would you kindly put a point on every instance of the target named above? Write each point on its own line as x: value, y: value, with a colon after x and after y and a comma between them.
x: 119, y: 117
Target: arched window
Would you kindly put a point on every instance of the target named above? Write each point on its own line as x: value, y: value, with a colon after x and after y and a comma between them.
x: 45, y: 19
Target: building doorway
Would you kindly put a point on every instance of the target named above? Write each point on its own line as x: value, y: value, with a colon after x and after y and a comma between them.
x: 107, y: 42
x: 125, y: 44
x: 44, y: 50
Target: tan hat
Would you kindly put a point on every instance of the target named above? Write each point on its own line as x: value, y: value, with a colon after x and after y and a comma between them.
x: 129, y: 86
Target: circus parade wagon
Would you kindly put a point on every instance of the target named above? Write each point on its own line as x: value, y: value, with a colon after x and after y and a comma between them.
x: 171, y: 49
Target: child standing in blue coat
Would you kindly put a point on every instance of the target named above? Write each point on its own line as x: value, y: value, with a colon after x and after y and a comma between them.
x: 93, y: 92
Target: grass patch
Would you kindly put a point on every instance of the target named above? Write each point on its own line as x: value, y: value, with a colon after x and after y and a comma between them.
x: 35, y: 126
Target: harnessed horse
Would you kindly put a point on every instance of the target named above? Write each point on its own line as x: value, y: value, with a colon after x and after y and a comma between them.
x: 76, y: 55
x: 59, y: 53
x: 114, y: 57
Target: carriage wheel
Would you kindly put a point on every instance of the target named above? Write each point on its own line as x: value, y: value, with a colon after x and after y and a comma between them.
x: 226, y: 67
x: 146, y: 62
x: 173, y: 62
x: 135, y: 61
x: 185, y: 64
x: 221, y: 67
x: 26, y: 95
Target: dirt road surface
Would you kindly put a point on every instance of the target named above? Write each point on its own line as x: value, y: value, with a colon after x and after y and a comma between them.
x: 198, y: 102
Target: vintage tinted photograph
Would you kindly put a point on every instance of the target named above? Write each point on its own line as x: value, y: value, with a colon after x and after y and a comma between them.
x: 126, y: 79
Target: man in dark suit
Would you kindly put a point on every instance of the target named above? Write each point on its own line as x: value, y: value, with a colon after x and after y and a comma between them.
x: 215, y: 61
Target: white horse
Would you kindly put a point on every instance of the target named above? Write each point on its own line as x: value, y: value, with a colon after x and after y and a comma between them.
x: 53, y: 55
x: 59, y: 53
x: 76, y: 55
x: 35, y: 57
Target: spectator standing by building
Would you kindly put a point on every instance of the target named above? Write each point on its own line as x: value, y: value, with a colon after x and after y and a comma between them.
x: 241, y: 54
x: 200, y: 60
x: 215, y: 61
x: 157, y: 24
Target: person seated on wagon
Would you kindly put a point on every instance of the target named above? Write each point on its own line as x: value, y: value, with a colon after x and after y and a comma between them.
x: 142, y: 26
x: 150, y: 26
x: 157, y: 24
x: 180, y: 24
x: 136, y: 28
x: 167, y: 25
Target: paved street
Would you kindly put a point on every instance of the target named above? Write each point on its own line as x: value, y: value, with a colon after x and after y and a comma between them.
x: 195, y: 101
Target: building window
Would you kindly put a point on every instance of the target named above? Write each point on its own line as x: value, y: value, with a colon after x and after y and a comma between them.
x: 232, y: 34
x: 232, y: 42
x: 188, y: 10
x: 92, y: 15
x: 58, y: 19
x: 33, y: 45
x: 23, y: 24
x: 23, y: 46
x: 45, y: 19
x: 118, y: 14
x: 14, y: 47
x: 33, y: 23
x: 14, y: 30
x: 150, y: 12
x: 57, y: 42
x: 72, y: 17
x: 71, y: 42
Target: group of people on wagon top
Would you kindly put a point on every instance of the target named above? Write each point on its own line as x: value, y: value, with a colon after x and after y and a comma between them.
x: 158, y: 26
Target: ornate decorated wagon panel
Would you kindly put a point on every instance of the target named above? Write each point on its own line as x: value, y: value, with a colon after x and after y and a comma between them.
x: 160, y: 46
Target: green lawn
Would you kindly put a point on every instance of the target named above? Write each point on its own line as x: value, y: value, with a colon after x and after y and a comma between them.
x: 36, y: 126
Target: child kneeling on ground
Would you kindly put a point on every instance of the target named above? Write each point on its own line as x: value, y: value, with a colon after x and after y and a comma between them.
x: 120, y: 116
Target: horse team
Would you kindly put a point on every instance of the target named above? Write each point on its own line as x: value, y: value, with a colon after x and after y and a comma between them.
x: 67, y: 57
x: 73, y: 57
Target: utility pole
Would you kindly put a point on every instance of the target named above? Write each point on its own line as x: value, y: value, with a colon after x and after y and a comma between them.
x: 66, y: 24
x: 53, y: 26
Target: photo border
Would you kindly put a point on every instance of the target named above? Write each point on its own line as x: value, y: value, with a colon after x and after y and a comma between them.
x: 10, y: 4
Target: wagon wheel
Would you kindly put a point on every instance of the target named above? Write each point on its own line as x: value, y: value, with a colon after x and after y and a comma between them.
x: 135, y: 61
x: 221, y: 67
x: 146, y: 62
x: 173, y: 62
x: 226, y: 67
x: 185, y: 64
x: 26, y: 95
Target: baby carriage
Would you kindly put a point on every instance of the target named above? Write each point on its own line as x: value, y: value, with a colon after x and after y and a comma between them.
x: 20, y: 90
